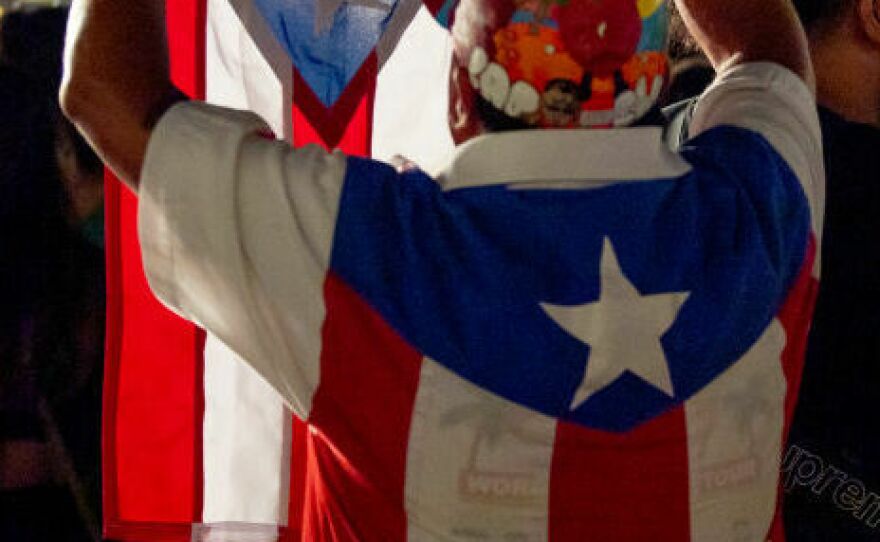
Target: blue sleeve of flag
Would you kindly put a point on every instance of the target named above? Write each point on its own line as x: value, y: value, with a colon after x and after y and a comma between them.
x: 462, y: 274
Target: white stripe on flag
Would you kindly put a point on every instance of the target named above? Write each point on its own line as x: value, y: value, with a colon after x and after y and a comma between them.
x: 235, y: 532
x: 734, y: 445
x: 246, y: 443
x: 409, y: 116
x: 246, y: 66
x: 247, y: 426
x: 478, y: 466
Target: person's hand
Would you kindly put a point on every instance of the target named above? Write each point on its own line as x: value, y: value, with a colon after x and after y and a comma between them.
x: 749, y: 31
x: 402, y: 164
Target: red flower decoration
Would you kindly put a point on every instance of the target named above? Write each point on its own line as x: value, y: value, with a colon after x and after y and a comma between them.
x: 600, y: 35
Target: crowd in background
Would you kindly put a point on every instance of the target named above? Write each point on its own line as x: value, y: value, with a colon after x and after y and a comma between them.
x: 52, y: 287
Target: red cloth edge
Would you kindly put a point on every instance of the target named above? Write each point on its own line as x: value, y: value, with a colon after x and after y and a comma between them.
x: 331, y: 123
x: 113, y: 526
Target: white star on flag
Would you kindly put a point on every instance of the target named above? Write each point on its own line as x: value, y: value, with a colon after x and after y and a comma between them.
x: 623, y: 329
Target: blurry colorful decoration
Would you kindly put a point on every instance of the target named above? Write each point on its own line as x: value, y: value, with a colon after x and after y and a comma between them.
x: 655, y: 28
x: 649, y: 65
x: 600, y: 34
x: 573, y: 63
x: 442, y: 10
x: 647, y: 8
x: 536, y: 55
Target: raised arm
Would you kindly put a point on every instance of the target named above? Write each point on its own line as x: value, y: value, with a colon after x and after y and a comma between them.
x: 749, y: 31
x: 116, y: 82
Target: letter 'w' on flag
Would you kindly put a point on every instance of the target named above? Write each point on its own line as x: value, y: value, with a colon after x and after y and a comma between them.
x: 196, y: 446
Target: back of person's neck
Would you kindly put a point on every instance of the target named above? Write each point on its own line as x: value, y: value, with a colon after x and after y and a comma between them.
x: 848, y: 76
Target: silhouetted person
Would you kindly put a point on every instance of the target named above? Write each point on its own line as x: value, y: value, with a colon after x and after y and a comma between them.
x: 836, y: 420
x: 52, y: 287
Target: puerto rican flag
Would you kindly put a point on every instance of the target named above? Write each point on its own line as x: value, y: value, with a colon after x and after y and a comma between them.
x: 199, y: 446
x: 192, y: 435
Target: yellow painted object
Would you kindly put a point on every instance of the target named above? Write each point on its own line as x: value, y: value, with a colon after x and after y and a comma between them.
x: 648, y: 7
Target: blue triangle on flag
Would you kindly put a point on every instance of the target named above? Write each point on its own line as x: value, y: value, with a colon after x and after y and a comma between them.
x: 328, y: 40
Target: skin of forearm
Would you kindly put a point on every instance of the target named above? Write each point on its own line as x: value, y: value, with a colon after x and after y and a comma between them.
x: 749, y: 31
x: 116, y: 77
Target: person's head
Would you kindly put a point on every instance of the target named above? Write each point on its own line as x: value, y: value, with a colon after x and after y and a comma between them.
x: 819, y: 16
x: 845, y: 42
x: 33, y: 204
x: 32, y: 40
x: 691, y: 70
x: 520, y: 64
x: 31, y: 45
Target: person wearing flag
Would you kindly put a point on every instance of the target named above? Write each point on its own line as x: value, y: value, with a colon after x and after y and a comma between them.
x: 571, y: 333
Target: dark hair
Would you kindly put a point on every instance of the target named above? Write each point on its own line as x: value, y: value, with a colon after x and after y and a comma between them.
x: 32, y: 40
x: 50, y: 277
x: 33, y: 204
x: 32, y: 43
x: 681, y: 44
x: 816, y: 14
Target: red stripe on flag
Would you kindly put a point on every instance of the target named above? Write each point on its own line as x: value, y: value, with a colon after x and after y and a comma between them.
x: 112, y: 348
x: 296, y: 492
x: 145, y: 531
x: 622, y: 487
x: 359, y: 425
x: 149, y: 402
x: 355, y: 140
x: 795, y: 316
x: 153, y: 390
x: 331, y: 124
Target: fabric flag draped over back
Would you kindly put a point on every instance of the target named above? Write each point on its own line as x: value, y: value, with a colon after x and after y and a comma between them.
x: 196, y: 445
